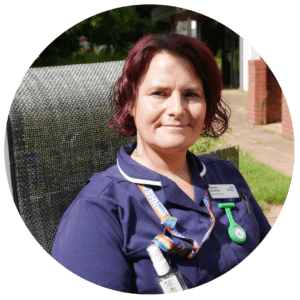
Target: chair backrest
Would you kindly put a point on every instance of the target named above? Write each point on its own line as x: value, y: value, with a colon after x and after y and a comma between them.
x: 58, y: 137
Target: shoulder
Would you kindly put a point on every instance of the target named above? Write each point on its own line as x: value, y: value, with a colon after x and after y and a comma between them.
x: 100, y: 182
x: 215, y: 163
x: 221, y: 170
x: 208, y: 159
x: 100, y: 197
x: 101, y: 192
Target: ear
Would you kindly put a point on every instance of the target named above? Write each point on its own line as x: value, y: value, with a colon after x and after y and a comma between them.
x: 132, y: 111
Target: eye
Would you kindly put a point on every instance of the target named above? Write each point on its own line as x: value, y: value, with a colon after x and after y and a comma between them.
x: 191, y: 95
x: 158, y: 94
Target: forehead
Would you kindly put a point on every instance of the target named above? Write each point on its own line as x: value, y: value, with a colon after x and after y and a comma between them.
x: 165, y: 61
x: 165, y: 67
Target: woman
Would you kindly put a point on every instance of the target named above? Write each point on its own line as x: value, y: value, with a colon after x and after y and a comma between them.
x: 168, y: 95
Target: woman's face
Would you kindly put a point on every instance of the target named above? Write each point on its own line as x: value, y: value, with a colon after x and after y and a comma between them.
x: 170, y: 108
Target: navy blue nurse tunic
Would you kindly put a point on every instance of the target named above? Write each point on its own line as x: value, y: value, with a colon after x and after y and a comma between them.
x: 103, y: 235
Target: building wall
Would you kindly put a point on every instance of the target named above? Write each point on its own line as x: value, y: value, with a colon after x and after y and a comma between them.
x: 264, y: 95
x: 287, y: 126
x: 274, y: 98
x: 266, y: 102
x: 247, y: 53
x: 257, y: 94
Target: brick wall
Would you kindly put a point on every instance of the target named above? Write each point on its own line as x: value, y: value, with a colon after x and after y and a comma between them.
x: 274, y: 96
x: 266, y: 103
x: 287, y: 127
x: 257, y: 92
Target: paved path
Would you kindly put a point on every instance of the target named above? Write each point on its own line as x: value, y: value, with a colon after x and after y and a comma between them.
x: 264, y: 142
x: 273, y: 213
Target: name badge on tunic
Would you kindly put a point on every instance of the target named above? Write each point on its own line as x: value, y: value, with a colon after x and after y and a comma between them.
x: 223, y: 191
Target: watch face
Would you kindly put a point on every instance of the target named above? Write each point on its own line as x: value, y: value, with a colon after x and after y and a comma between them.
x: 239, y: 232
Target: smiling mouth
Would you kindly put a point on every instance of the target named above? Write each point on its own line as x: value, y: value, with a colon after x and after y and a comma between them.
x: 175, y: 126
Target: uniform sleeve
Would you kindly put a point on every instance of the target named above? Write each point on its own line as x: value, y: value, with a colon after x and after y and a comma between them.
x: 89, y: 243
x: 263, y: 222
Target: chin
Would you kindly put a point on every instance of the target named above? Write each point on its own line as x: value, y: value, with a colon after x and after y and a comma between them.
x: 165, y: 146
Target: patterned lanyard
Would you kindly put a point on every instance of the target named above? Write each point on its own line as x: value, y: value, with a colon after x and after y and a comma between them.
x: 165, y: 243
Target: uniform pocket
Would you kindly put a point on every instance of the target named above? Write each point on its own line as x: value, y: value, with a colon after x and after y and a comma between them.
x: 247, y: 220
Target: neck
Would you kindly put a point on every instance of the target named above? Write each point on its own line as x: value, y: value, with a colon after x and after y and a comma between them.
x: 171, y: 163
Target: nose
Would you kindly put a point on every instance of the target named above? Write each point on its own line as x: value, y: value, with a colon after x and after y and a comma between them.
x: 176, y: 105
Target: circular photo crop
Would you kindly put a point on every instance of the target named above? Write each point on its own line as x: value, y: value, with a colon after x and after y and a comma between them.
x: 150, y: 149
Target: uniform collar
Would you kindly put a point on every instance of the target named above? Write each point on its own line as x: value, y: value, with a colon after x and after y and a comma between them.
x: 136, y: 173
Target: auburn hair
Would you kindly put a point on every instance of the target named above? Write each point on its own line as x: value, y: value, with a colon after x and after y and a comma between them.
x: 137, y: 63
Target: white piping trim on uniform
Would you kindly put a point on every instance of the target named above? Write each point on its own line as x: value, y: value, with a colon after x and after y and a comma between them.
x: 150, y: 182
x: 204, y: 170
x: 137, y: 180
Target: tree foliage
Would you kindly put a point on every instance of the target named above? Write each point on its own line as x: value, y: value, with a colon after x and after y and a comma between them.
x: 119, y: 27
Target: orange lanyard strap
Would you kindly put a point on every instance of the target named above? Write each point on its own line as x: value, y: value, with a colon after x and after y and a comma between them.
x: 165, y: 243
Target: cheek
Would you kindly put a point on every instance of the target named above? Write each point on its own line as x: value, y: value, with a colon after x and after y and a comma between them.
x: 147, y: 112
x: 198, y: 113
x: 142, y: 117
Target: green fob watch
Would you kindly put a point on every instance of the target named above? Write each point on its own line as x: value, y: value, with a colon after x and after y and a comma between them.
x: 235, y: 231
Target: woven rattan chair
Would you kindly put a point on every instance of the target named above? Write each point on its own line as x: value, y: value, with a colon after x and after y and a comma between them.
x: 58, y: 137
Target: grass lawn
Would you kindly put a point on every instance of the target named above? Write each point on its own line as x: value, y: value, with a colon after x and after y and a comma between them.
x: 267, y: 185
x: 206, y: 145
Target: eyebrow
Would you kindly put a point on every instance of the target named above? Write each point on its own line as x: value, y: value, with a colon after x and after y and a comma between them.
x: 186, y: 89
x: 193, y: 89
x: 158, y: 87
